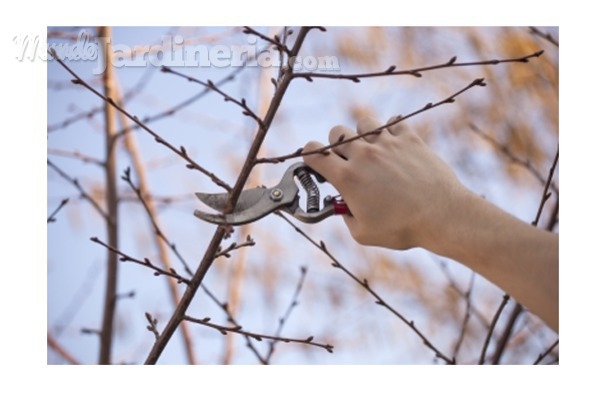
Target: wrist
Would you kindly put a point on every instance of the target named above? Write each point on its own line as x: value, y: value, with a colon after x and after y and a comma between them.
x: 451, y: 224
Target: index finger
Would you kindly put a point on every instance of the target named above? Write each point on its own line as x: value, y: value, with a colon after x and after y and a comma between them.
x: 328, y: 165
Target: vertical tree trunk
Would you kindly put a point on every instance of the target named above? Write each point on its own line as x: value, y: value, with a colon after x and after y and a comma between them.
x: 110, y: 297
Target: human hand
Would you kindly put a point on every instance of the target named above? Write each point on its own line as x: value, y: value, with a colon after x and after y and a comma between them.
x: 399, y: 192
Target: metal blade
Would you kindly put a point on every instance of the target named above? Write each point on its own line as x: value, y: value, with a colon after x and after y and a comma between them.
x: 253, y: 204
x: 218, y: 201
x: 238, y: 218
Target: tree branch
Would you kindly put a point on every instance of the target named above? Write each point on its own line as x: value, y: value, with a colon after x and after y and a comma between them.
x: 546, y: 194
x: 365, y: 284
x: 152, y: 325
x: 82, y: 192
x: 234, y: 246
x: 544, y: 35
x: 280, y: 46
x: 323, y: 150
x: 257, y: 336
x: 61, y: 205
x: 486, y: 343
x: 544, y: 354
x: 506, y: 333
x: 416, y: 72
x: 145, y: 262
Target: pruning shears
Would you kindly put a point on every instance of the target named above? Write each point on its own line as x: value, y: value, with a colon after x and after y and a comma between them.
x: 259, y: 202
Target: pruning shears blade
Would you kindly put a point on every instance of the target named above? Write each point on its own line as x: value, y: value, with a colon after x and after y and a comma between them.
x: 250, y: 206
x: 217, y: 201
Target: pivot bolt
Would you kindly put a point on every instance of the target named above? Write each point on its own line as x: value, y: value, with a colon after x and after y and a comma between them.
x: 276, y: 194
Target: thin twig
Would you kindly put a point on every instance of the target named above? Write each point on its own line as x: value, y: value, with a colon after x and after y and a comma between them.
x: 545, y: 353
x: 211, y: 85
x: 61, y: 205
x: 288, y: 312
x: 486, y: 343
x: 546, y: 194
x: 416, y: 72
x: 365, y: 284
x: 145, y: 262
x: 126, y: 295
x: 506, y: 333
x: 257, y: 336
x: 323, y: 150
x: 234, y: 246
x: 152, y: 324
x: 468, y: 308
x: 544, y: 35
x: 181, y: 151
x: 90, y: 331
x: 282, y: 56
x: 276, y: 41
x: 82, y: 192
x: 65, y: 84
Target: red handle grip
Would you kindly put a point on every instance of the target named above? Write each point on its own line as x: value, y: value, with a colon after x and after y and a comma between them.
x: 340, y: 207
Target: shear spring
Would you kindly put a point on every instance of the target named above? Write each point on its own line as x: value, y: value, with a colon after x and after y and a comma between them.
x: 312, y: 190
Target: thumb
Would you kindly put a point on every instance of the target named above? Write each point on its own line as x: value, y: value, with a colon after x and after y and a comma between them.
x: 327, y: 164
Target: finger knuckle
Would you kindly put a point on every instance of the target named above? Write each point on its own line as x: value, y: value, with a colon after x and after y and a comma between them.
x: 337, y: 131
x: 312, y: 145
